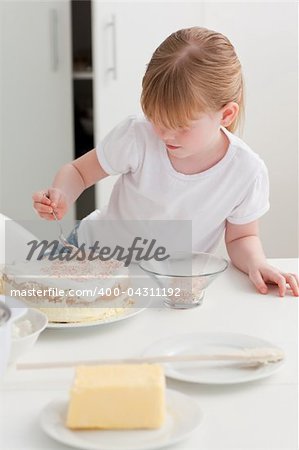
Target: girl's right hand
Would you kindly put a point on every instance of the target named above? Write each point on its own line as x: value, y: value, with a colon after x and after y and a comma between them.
x: 45, y: 202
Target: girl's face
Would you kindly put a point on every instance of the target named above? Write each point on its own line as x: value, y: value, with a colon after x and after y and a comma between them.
x: 200, y: 136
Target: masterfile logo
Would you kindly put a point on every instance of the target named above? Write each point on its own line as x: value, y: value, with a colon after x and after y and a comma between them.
x: 140, y: 250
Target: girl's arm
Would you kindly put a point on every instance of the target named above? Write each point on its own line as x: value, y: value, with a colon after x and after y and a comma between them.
x: 246, y: 252
x: 69, y: 183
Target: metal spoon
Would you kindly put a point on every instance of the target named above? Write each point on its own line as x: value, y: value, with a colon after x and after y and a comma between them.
x: 61, y: 236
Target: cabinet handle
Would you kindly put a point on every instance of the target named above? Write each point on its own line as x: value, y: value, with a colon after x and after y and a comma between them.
x: 54, y: 40
x: 113, y: 68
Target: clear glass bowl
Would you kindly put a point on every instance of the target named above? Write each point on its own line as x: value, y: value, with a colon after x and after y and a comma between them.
x: 183, y: 278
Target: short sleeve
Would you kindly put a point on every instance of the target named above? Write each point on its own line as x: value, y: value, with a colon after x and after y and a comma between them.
x: 255, y: 203
x: 117, y: 152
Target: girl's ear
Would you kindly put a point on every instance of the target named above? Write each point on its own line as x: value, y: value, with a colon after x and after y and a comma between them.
x: 229, y: 113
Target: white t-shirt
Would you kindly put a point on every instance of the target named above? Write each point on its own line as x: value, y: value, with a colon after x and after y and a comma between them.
x: 235, y: 189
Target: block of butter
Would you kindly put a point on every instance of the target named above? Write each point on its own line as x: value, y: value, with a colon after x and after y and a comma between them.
x: 120, y: 396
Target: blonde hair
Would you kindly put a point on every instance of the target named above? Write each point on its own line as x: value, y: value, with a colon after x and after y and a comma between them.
x: 193, y: 70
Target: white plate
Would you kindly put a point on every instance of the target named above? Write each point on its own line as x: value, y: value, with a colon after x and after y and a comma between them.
x: 183, y: 416
x: 18, y: 308
x: 211, y: 372
x: 130, y: 311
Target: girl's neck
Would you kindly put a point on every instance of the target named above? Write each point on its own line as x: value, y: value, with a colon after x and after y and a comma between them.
x: 202, y: 161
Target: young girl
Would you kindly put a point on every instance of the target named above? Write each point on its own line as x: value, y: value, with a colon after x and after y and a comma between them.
x: 182, y: 161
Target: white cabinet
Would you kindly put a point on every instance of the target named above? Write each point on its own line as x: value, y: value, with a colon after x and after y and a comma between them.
x: 36, y: 100
x: 124, y: 37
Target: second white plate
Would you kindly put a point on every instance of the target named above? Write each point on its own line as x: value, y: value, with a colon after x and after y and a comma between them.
x: 211, y: 372
x: 183, y: 416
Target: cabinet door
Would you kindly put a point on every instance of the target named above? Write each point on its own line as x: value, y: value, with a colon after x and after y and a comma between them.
x: 36, y: 100
x: 124, y: 37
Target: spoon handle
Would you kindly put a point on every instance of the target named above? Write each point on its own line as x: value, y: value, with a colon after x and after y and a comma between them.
x: 62, y: 238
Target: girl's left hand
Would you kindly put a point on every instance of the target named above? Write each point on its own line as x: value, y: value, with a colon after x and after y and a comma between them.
x: 260, y: 275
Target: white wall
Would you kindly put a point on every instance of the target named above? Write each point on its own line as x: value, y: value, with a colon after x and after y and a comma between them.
x: 265, y: 37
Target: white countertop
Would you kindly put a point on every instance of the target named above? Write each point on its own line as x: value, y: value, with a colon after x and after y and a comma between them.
x: 257, y: 415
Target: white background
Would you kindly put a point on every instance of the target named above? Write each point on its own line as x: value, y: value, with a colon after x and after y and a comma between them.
x: 33, y: 144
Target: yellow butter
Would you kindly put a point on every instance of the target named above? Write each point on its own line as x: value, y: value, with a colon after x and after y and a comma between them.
x: 124, y: 396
